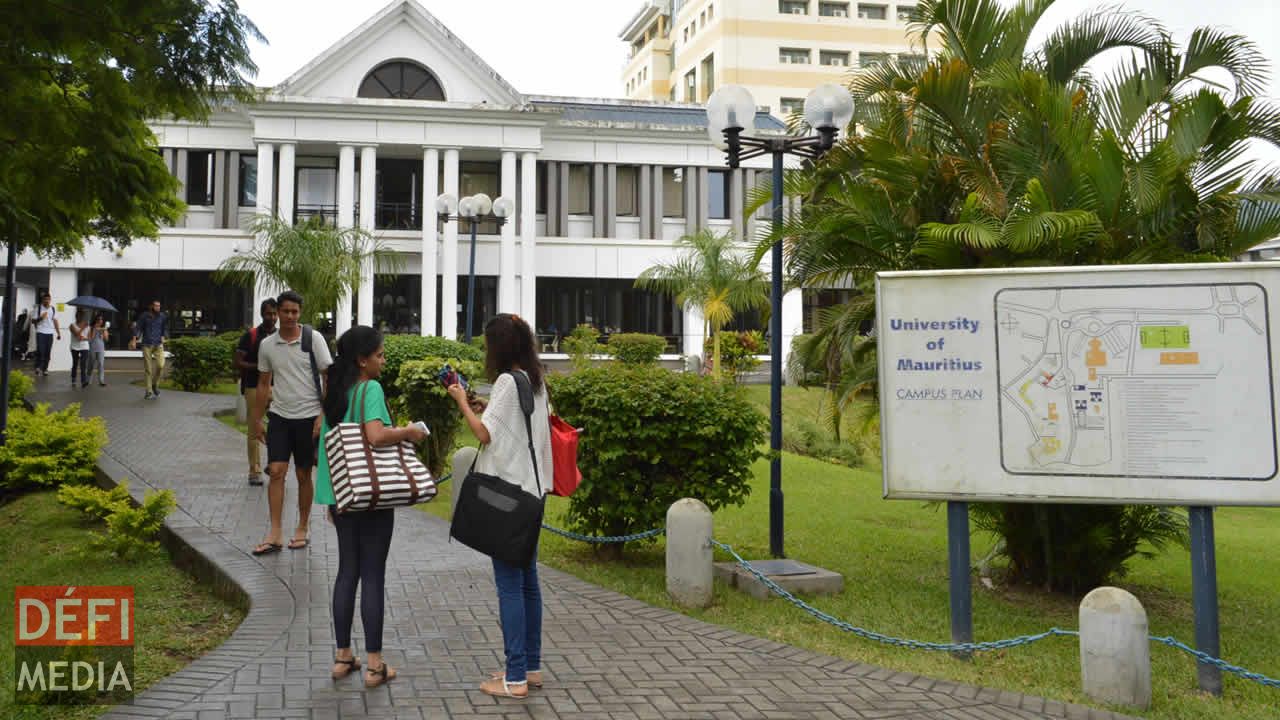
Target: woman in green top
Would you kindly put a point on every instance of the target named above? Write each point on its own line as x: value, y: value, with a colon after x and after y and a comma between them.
x: 364, y: 538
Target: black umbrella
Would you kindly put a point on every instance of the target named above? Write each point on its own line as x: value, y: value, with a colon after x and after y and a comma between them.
x: 92, y: 302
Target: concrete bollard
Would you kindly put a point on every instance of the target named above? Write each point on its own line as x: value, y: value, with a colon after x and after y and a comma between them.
x: 689, y: 557
x: 1115, y: 653
x: 462, y: 460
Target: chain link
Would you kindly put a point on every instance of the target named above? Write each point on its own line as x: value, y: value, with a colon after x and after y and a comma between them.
x: 601, y: 540
x: 1222, y: 664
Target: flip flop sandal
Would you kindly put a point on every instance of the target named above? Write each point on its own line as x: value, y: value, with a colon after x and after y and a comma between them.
x: 352, y: 665
x: 382, y: 676
x: 267, y: 548
x: 506, y: 689
x: 535, y: 684
x: 299, y: 543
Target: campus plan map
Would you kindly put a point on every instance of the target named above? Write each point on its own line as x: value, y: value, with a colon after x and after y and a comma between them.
x: 1136, y: 381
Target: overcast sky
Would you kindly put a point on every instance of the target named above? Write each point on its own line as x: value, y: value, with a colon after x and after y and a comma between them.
x: 578, y: 52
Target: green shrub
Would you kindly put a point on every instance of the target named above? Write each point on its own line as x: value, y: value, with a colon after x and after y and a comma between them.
x: 131, y: 530
x: 47, y: 449
x: 738, y: 351
x: 230, y: 336
x: 652, y: 437
x: 422, y: 397
x: 199, y: 362
x: 403, y: 348
x: 94, y: 501
x: 636, y: 348
x: 19, y: 386
x: 580, y: 345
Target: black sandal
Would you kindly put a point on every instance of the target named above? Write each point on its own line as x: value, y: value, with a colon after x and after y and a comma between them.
x: 352, y: 665
x: 381, y: 676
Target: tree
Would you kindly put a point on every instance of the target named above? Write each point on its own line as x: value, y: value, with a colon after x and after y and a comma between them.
x: 713, y: 276
x: 318, y: 260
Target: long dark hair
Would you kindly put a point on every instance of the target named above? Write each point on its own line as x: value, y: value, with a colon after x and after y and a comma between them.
x: 360, y: 341
x: 509, y: 341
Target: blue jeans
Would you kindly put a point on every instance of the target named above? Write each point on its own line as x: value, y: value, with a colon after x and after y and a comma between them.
x: 520, y: 609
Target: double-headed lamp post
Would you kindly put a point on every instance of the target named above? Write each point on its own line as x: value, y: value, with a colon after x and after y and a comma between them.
x: 474, y: 208
x: 730, y: 110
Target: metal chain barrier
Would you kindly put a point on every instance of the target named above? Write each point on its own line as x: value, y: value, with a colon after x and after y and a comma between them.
x: 605, y: 539
x: 1216, y: 662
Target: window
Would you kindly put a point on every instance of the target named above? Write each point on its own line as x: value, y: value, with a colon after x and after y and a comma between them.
x: 872, y: 12
x: 867, y: 59
x: 718, y: 194
x: 913, y: 60
x: 833, y: 58
x: 791, y: 106
x: 248, y: 181
x: 686, y: 35
x: 316, y: 187
x: 580, y: 189
x: 691, y: 87
x: 906, y: 13
x: 711, y: 13
x: 672, y: 94
x: 833, y: 9
x: 793, y: 56
x: 199, y: 177
x: 708, y: 77
x: 628, y: 191
x: 793, y: 7
x: 702, y: 20
x: 540, y: 205
x: 672, y: 192
x: 401, y: 80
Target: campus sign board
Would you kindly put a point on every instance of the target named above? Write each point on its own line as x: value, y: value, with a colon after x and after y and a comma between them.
x: 1142, y: 384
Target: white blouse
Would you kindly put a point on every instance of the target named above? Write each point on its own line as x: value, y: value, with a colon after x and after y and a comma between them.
x: 507, y: 454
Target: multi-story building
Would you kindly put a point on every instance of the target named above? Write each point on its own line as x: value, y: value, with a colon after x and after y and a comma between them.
x: 682, y: 50
x: 368, y: 133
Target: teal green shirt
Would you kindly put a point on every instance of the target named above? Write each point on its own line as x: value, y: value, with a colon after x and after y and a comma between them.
x: 375, y: 408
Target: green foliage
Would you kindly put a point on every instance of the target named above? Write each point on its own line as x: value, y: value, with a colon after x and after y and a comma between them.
x: 1075, y: 548
x: 94, y: 501
x: 422, y: 397
x: 19, y: 386
x: 199, y: 362
x: 738, y: 351
x: 231, y: 336
x: 400, y: 349
x: 581, y: 344
x: 47, y: 449
x: 636, y: 348
x: 652, y: 437
x: 130, y: 529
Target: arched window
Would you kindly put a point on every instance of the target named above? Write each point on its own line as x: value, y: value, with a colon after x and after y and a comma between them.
x: 402, y: 80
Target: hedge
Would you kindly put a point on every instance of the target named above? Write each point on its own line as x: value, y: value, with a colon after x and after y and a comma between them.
x: 636, y: 348
x: 420, y: 396
x: 400, y: 349
x: 199, y: 362
x: 47, y: 449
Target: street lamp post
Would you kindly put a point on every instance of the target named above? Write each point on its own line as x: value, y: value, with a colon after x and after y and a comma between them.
x: 474, y: 208
x: 730, y: 111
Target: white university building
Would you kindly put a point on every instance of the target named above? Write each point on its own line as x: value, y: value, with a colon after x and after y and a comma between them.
x: 369, y: 133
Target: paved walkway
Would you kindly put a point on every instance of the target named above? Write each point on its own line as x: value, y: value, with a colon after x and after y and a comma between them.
x: 605, y: 655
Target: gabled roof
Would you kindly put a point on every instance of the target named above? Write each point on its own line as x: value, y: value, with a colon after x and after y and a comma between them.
x: 393, y: 12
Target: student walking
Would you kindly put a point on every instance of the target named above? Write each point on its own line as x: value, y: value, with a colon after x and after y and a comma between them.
x: 501, y: 430
x: 152, y: 330
x: 290, y: 365
x: 364, y: 538
x: 79, y: 330
x: 46, y: 327
x: 246, y: 361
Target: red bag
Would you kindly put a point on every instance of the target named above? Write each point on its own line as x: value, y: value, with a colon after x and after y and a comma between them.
x: 564, y: 457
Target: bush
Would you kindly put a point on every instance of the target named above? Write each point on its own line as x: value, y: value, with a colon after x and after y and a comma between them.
x: 47, y: 449
x: 199, y: 362
x: 19, y: 386
x: 422, y: 397
x: 636, y: 348
x: 580, y: 345
x: 94, y: 501
x: 130, y: 529
x: 738, y: 351
x: 403, y: 348
x: 652, y: 437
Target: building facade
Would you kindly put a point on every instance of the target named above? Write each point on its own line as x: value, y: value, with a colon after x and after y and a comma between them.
x: 682, y: 50
x: 369, y: 133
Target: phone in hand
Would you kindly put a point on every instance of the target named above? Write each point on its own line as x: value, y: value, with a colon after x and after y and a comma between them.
x: 448, y: 376
x: 423, y: 426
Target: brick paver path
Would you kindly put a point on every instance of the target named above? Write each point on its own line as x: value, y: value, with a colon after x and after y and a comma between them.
x: 605, y: 655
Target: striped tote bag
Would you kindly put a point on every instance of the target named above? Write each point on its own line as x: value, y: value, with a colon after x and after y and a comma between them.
x: 372, y: 478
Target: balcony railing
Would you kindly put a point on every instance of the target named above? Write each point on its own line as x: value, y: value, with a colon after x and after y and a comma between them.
x: 327, y: 213
x: 388, y: 216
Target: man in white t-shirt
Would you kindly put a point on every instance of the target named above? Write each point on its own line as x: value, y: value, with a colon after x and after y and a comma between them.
x: 46, y: 327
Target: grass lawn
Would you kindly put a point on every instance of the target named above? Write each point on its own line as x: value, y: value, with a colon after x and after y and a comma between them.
x: 893, y: 557
x: 176, y: 619
x: 228, y: 387
x: 804, y: 430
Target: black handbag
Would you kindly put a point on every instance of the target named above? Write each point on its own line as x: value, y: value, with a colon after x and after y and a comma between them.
x: 496, y: 517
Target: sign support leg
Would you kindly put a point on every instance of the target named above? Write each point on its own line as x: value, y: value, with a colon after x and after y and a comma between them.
x: 1204, y: 595
x: 961, y: 587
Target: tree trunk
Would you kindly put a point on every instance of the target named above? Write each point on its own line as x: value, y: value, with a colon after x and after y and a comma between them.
x: 715, y: 355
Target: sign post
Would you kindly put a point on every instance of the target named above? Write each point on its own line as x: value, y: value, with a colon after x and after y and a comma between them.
x: 961, y: 587
x: 1204, y: 596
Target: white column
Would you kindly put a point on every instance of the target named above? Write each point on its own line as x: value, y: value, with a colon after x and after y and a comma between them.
x: 265, y: 195
x: 346, y: 219
x: 792, y: 322
x: 63, y: 285
x: 694, y: 331
x: 507, y: 298
x: 284, y: 208
x: 527, y: 208
x: 430, y: 189
x: 449, y: 255
x: 368, y: 200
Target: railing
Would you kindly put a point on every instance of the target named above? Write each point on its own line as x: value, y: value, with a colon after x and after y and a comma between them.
x: 398, y: 216
x: 328, y: 214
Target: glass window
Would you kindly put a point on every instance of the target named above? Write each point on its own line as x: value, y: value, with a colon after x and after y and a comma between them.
x: 628, y: 191
x: 401, y: 80
x: 711, y: 13
x: 479, y: 177
x: 793, y: 7
x: 541, y: 182
x: 833, y: 9
x: 872, y: 12
x: 199, y: 177
x: 610, y: 305
x: 792, y: 106
x: 691, y: 87
x: 317, y: 189
x: 867, y: 59
x: 833, y: 58
x: 793, y: 56
x: 708, y: 77
x: 580, y: 189
x: 248, y: 181
x: 673, y: 192
x: 906, y: 13
x: 913, y: 59
x: 718, y: 194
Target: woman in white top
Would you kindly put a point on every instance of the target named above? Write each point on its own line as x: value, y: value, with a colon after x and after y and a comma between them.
x: 98, y: 338
x: 502, y: 433
x: 80, y: 350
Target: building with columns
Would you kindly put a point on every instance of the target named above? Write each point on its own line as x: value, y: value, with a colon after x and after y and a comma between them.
x: 369, y: 133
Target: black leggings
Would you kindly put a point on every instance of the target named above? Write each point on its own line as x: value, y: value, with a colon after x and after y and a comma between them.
x: 364, y: 539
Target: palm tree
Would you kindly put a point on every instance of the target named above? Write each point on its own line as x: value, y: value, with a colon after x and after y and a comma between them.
x: 320, y: 261
x: 713, y: 276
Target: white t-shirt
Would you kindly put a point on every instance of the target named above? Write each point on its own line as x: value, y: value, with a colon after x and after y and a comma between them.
x: 507, y: 454
x: 45, y: 326
x: 79, y: 336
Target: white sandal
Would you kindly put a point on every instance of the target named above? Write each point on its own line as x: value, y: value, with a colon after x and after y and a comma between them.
x: 508, y: 690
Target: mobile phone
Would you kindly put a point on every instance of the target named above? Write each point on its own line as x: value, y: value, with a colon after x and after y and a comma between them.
x: 423, y: 425
x: 448, y: 376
